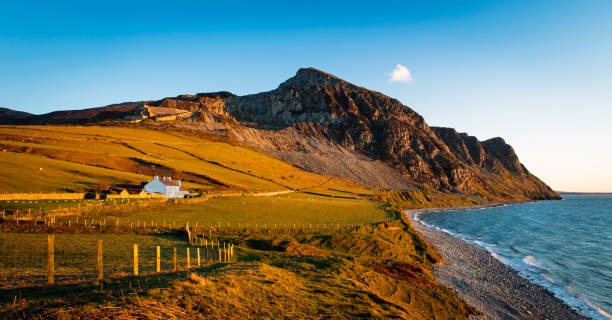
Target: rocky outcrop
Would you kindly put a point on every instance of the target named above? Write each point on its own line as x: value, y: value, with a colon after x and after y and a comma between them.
x: 327, y: 125
x: 496, y: 159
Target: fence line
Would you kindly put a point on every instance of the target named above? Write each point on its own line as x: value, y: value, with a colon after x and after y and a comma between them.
x: 34, y: 223
x: 89, y: 262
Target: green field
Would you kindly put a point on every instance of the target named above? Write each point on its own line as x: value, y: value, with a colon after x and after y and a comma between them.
x: 23, y: 256
x: 280, y: 211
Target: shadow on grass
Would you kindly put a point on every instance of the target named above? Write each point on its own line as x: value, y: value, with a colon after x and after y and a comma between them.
x: 293, y: 262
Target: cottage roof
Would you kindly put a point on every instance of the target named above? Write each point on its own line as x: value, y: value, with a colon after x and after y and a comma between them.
x: 169, y: 183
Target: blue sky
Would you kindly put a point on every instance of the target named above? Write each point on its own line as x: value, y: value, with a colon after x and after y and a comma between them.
x: 537, y: 73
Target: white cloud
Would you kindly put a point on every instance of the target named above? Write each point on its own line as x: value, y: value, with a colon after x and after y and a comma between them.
x: 400, y: 74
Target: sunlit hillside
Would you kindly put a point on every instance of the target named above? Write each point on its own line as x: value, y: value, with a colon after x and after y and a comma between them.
x: 73, y: 158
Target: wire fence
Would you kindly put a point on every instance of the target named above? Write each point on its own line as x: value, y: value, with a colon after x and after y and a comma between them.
x: 9, y: 223
x: 37, y: 259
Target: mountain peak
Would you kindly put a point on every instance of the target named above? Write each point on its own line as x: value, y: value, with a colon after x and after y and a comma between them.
x: 315, y: 77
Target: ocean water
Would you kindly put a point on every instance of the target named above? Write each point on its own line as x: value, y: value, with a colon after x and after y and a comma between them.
x: 565, y: 246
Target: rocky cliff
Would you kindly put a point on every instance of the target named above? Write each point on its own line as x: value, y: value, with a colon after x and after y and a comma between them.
x: 327, y: 125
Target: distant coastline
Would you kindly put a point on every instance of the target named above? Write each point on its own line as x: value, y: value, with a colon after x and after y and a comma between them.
x: 576, y: 192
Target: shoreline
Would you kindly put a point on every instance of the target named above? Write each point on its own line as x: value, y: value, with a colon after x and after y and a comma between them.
x: 484, y: 282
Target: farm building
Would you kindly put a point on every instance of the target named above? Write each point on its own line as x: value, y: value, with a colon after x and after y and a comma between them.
x: 167, y: 187
x: 124, y: 194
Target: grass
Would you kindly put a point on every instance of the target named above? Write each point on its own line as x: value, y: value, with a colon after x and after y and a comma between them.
x: 342, y: 193
x: 22, y: 173
x: 58, y: 204
x: 281, y: 211
x: 61, y: 158
x: 24, y: 255
x: 424, y: 198
x: 377, y: 271
x: 306, y: 276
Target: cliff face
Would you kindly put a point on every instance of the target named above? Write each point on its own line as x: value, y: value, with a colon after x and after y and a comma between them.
x: 327, y: 125
x: 496, y: 160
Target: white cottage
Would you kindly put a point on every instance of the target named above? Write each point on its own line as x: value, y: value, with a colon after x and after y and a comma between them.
x: 167, y: 187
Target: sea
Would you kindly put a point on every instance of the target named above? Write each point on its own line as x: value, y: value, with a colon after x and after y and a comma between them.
x: 562, y: 245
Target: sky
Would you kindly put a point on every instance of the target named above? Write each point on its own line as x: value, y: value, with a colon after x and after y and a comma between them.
x: 537, y: 73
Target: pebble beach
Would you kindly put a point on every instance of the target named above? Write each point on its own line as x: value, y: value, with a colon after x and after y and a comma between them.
x: 493, y: 288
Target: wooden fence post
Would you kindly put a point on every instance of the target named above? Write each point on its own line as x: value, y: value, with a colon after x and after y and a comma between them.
x: 157, y: 262
x: 220, y: 257
x: 51, y: 259
x: 188, y: 233
x: 188, y: 259
x: 100, y: 265
x: 174, y: 258
x: 198, y: 257
x: 135, y: 259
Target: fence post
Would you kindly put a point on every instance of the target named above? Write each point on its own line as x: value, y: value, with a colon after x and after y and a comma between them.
x: 51, y: 259
x: 198, y: 257
x: 100, y: 265
x: 206, y: 248
x: 188, y: 259
x: 157, y: 264
x: 220, y: 257
x: 188, y: 233
x: 135, y: 259
x: 174, y: 259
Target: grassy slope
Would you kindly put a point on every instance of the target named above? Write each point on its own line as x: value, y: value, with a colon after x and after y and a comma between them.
x: 423, y: 198
x: 82, y: 155
x: 375, y: 272
x: 382, y: 271
x: 22, y: 173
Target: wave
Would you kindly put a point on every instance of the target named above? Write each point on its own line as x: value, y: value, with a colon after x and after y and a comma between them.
x: 529, y: 268
x: 600, y: 310
x: 530, y: 260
